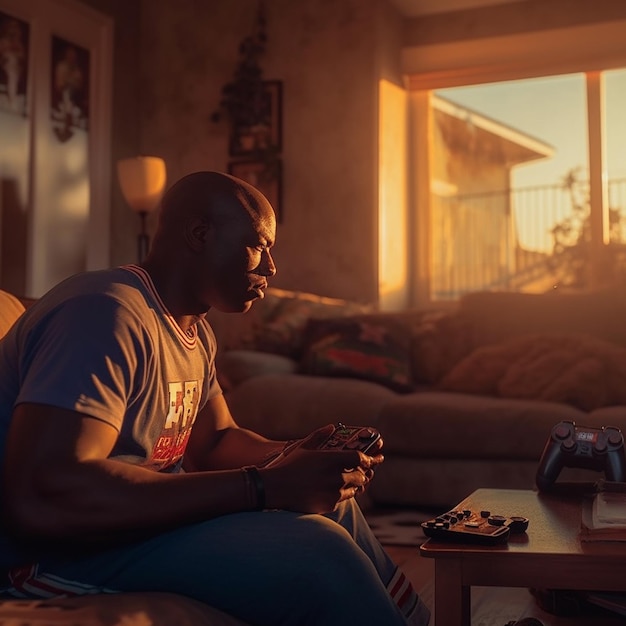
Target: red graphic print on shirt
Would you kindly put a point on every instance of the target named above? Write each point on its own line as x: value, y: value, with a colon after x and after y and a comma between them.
x: 183, y: 409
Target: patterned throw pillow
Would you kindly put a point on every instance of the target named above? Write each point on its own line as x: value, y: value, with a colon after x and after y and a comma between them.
x: 283, y: 332
x: 371, y: 348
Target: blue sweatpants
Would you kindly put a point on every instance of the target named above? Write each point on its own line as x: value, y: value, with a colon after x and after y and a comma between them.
x: 269, y: 567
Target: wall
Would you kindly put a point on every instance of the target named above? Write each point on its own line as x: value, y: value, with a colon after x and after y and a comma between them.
x: 329, y: 54
x: 125, y: 138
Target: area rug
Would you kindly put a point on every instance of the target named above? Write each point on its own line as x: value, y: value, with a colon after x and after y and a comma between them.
x: 398, y: 527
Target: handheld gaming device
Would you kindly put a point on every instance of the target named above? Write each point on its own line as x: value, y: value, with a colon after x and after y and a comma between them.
x: 344, y: 437
x: 600, y: 449
x: 481, y: 527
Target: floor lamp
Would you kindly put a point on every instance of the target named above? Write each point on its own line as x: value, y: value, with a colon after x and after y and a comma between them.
x: 142, y: 181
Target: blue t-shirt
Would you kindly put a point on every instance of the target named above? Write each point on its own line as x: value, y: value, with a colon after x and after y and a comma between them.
x: 103, y: 344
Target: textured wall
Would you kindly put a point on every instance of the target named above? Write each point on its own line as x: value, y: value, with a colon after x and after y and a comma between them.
x: 326, y: 52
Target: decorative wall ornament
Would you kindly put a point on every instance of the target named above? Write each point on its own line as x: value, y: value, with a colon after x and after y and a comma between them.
x: 252, y: 107
x: 242, y: 98
x: 265, y: 133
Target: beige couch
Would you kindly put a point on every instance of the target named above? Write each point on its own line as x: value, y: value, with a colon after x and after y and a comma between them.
x: 490, y: 378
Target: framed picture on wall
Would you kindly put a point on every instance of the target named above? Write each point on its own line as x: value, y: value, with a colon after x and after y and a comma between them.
x: 266, y: 177
x: 14, y: 48
x: 267, y: 132
x: 69, y: 82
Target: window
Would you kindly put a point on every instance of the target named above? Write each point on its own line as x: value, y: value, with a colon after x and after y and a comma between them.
x: 509, y: 181
x: 521, y: 184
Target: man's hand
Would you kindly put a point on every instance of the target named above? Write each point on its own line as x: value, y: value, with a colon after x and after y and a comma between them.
x: 311, y: 480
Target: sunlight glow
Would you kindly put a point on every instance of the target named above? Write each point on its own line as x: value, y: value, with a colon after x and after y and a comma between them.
x: 392, y: 185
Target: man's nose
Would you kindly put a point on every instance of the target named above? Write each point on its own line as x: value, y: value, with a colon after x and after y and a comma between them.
x: 269, y: 267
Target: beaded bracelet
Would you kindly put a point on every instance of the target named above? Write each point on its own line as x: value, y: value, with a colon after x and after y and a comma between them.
x: 255, y: 490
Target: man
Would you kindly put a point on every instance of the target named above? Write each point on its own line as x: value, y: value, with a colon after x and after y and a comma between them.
x: 108, y: 488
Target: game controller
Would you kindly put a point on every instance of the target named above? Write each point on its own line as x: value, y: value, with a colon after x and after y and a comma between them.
x: 600, y: 449
x: 344, y: 437
x: 466, y: 526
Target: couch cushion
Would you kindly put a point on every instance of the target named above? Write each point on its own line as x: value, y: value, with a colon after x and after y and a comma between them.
x: 10, y: 309
x: 291, y: 405
x: 571, y: 368
x: 495, y: 316
x: 374, y: 348
x: 432, y: 424
x: 607, y: 416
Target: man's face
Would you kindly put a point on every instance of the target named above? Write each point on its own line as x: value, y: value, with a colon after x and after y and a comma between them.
x: 242, y: 262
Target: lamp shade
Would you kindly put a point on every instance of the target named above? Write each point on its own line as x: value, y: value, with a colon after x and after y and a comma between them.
x: 142, y: 180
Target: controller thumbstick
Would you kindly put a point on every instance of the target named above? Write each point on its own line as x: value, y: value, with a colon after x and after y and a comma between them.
x: 600, y: 445
x: 568, y: 444
x: 561, y: 432
x: 615, y: 437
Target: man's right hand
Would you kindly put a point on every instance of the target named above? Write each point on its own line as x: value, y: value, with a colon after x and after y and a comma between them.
x: 311, y: 480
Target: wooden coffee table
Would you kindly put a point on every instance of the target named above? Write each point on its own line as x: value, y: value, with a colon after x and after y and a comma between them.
x: 548, y: 556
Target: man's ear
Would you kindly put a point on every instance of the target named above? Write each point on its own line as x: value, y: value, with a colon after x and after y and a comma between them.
x: 198, y: 231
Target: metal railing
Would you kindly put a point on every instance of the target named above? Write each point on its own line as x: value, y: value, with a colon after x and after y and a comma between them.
x: 524, y: 239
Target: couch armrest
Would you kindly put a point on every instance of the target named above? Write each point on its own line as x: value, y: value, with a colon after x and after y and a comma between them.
x: 10, y: 309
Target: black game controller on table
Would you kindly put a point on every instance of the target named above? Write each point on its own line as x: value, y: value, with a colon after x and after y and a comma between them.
x: 466, y: 526
x: 600, y: 449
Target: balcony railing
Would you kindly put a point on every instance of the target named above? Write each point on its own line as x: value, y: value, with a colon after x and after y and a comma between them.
x: 526, y: 239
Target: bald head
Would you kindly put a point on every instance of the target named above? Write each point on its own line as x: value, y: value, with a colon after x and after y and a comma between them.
x: 213, y: 195
x: 213, y: 241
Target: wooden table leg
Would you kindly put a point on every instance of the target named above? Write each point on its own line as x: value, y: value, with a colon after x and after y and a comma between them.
x: 452, y: 598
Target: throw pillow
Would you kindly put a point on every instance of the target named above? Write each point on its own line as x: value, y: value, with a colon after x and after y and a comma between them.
x: 440, y: 340
x: 575, y: 369
x: 283, y: 332
x: 237, y: 331
x: 370, y: 348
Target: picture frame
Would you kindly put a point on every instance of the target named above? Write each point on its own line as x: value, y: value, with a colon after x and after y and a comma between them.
x: 266, y: 177
x: 69, y: 88
x: 266, y: 135
x: 14, y: 62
